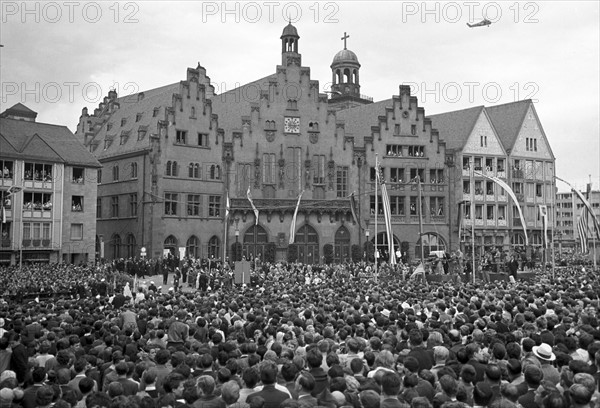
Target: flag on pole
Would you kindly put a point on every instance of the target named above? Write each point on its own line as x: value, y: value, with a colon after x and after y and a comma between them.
x: 589, y: 211
x: 387, y: 214
x: 544, y: 216
x: 512, y: 195
x: 227, y: 206
x: 252, y: 204
x: 293, y: 225
x: 353, y: 208
x: 582, y: 229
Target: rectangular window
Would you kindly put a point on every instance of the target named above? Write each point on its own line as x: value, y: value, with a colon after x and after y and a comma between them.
x: 490, y: 212
x: 133, y: 205
x: 436, y: 206
x: 203, y: 139
x: 99, y: 176
x: 539, y: 190
x: 293, y: 173
x: 78, y: 173
x: 413, y: 205
x: 38, y: 172
x: 76, y: 232
x: 46, y: 230
x: 155, y: 112
x: 319, y: 169
x: 397, y: 205
x: 116, y: 172
x: 77, y: 203
x: 342, y: 181
x: 134, y: 170
x: 180, y: 136
x: 413, y: 130
x: 193, y: 205
x: 214, y: 206
x: 397, y: 129
x: 99, y: 207
x: 6, y: 167
x: 394, y: 150
x: 114, y: 200
x: 138, y: 117
x: 483, y: 141
x: 379, y: 205
x: 26, y: 230
x: 170, y: 204
x: 396, y: 175
x: 466, y: 187
x: 37, y: 230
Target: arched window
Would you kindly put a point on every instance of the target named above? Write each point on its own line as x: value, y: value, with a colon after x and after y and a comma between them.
x: 255, y: 241
x: 338, y: 75
x: 116, y: 172
x: 517, y: 239
x: 174, y: 169
x: 171, y: 245
x: 341, y: 247
x: 307, y: 240
x: 131, y: 246
x: 214, y: 247
x: 215, y: 172
x: 134, y: 170
x: 430, y: 242
x: 191, y: 170
x: 168, y: 169
x: 115, y: 242
x: 192, y: 247
x: 355, y: 76
x: 347, y: 76
x: 197, y: 170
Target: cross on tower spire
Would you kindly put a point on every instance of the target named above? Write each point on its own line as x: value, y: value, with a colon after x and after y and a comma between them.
x: 344, y: 38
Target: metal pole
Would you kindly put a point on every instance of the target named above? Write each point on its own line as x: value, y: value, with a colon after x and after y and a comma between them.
x: 553, y: 225
x: 420, y: 204
x: 376, y: 212
x: 472, y: 185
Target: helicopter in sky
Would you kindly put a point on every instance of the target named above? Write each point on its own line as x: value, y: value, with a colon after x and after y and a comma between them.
x: 482, y: 23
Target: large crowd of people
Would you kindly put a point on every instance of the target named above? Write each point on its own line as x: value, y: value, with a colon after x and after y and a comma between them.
x: 296, y: 336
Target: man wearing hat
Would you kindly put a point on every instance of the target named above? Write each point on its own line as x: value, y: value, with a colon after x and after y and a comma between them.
x: 545, y: 356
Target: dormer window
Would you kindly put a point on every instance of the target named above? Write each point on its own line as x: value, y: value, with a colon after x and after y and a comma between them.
x: 123, y: 121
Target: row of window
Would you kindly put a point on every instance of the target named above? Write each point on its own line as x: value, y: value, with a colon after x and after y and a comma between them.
x: 481, y: 163
x: 133, y: 172
x: 402, y: 175
x: 38, y: 171
x: 181, y: 137
x: 398, y: 205
x: 491, y: 212
x: 213, y: 171
x: 115, y: 209
x: 192, y: 205
x: 397, y: 150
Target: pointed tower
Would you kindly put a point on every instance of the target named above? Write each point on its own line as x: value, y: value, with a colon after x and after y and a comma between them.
x: 345, y: 88
x: 289, y: 44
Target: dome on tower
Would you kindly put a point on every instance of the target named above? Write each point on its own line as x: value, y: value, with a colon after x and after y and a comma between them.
x: 345, y: 55
x: 290, y: 31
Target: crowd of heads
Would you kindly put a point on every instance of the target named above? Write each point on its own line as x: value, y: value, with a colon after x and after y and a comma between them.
x: 329, y: 336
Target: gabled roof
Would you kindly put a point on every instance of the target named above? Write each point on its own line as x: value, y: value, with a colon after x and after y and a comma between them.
x: 508, y: 119
x: 456, y: 127
x: 129, y: 107
x: 23, y: 139
x: 359, y: 120
x: 19, y: 107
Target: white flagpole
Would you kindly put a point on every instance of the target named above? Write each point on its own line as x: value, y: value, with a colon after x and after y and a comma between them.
x: 553, y: 225
x: 376, y: 211
x: 472, y: 185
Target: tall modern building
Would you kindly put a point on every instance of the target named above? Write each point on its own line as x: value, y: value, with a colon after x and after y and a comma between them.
x: 48, y: 191
x: 186, y: 169
x: 568, y: 213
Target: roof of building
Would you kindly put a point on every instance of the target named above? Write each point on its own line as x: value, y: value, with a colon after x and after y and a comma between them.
x: 345, y: 55
x: 455, y: 127
x: 508, y: 119
x: 290, y: 30
x: 19, y: 109
x: 359, y: 120
x: 129, y: 107
x: 32, y: 140
x: 233, y: 104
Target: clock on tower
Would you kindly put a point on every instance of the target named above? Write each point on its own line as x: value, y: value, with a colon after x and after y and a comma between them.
x: 291, y: 125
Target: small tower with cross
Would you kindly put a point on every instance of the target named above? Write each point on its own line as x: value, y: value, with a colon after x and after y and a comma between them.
x: 345, y: 83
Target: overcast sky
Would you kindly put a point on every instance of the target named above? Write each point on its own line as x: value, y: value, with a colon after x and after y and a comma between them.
x: 59, y: 57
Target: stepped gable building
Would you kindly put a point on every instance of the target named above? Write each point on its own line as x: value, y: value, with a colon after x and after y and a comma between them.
x: 47, y: 191
x: 508, y: 142
x: 173, y: 157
